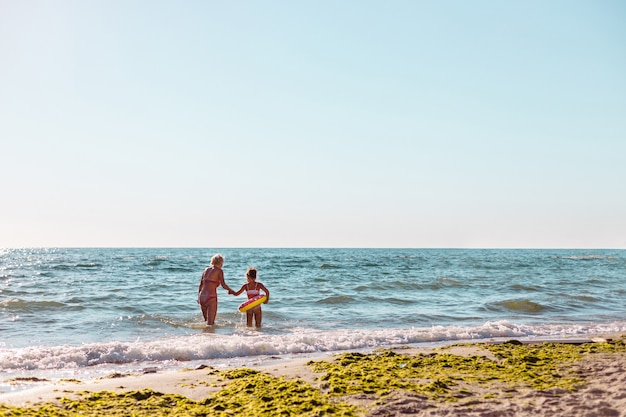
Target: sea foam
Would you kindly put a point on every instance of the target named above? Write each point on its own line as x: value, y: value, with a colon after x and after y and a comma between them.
x: 211, y: 346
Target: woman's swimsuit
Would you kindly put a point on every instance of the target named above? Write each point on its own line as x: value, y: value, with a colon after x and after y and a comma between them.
x: 205, y: 295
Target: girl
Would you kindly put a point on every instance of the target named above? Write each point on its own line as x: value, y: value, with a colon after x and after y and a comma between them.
x: 252, y: 289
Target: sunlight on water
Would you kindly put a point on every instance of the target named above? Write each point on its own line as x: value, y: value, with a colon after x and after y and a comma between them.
x: 84, y: 307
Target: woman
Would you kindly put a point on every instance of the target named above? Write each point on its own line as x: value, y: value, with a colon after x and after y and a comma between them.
x: 212, y: 277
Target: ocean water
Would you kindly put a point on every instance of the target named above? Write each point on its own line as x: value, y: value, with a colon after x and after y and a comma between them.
x: 84, y: 313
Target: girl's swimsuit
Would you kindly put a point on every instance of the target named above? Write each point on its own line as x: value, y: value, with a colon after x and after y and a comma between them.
x: 252, y: 293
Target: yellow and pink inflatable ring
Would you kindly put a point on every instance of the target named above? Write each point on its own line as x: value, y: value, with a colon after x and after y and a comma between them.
x: 252, y: 302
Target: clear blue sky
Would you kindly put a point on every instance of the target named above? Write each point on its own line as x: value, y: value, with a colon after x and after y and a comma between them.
x: 313, y: 123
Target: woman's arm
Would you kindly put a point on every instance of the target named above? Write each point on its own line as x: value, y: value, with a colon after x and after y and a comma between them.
x: 223, y: 283
x: 201, y: 281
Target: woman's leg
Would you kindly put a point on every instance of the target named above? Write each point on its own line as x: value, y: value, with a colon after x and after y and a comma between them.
x: 211, y: 306
x: 203, y: 307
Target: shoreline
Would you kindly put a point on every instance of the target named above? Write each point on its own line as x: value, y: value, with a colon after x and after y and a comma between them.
x: 551, y: 377
x: 30, y: 382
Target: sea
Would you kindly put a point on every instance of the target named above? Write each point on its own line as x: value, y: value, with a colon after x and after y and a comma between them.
x: 86, y: 313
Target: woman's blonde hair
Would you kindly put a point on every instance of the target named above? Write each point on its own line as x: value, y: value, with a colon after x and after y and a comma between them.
x: 217, y: 260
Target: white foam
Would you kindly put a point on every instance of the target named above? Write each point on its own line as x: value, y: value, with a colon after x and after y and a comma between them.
x: 199, y: 347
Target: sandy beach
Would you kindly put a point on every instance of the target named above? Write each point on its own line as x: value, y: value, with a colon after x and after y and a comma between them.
x: 564, y: 378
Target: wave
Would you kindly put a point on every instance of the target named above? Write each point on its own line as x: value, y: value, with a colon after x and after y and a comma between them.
x: 62, y: 267
x: 520, y: 287
x: 15, y: 304
x: 89, y: 265
x: 446, y: 282
x: 337, y: 299
x: 292, y: 262
x: 157, y: 261
x: 252, y: 343
x: 81, y: 265
x: 584, y: 257
x: 180, y: 269
x: 525, y: 306
x: 587, y: 298
x: 329, y: 266
x: 386, y: 286
x: 396, y: 301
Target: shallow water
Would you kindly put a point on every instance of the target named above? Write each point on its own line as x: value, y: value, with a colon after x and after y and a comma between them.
x: 84, y: 311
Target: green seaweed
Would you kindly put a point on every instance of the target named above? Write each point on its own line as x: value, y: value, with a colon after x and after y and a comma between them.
x: 253, y: 393
x: 448, y: 377
x: 24, y: 379
x: 248, y: 392
x: 435, y: 375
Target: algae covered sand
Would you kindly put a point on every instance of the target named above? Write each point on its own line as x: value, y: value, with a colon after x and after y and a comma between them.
x: 241, y: 391
x: 446, y: 376
x: 458, y: 379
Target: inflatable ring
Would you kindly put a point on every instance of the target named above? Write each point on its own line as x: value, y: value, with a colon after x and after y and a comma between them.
x: 252, y: 302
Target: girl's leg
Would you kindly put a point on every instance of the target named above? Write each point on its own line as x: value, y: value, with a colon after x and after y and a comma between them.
x: 249, y: 315
x: 211, y: 311
x: 258, y: 316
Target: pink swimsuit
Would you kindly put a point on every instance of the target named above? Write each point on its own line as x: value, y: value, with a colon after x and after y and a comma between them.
x: 252, y: 293
x: 205, y: 294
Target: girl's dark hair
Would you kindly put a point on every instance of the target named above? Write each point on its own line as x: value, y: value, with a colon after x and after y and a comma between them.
x: 251, y: 272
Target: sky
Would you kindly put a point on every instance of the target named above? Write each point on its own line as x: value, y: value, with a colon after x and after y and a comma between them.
x: 352, y: 123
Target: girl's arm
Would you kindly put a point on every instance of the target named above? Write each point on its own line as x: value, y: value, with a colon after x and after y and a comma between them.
x: 243, y: 287
x: 267, y: 292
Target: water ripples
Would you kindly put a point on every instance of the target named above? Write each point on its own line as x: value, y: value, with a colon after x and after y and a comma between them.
x: 153, y: 291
